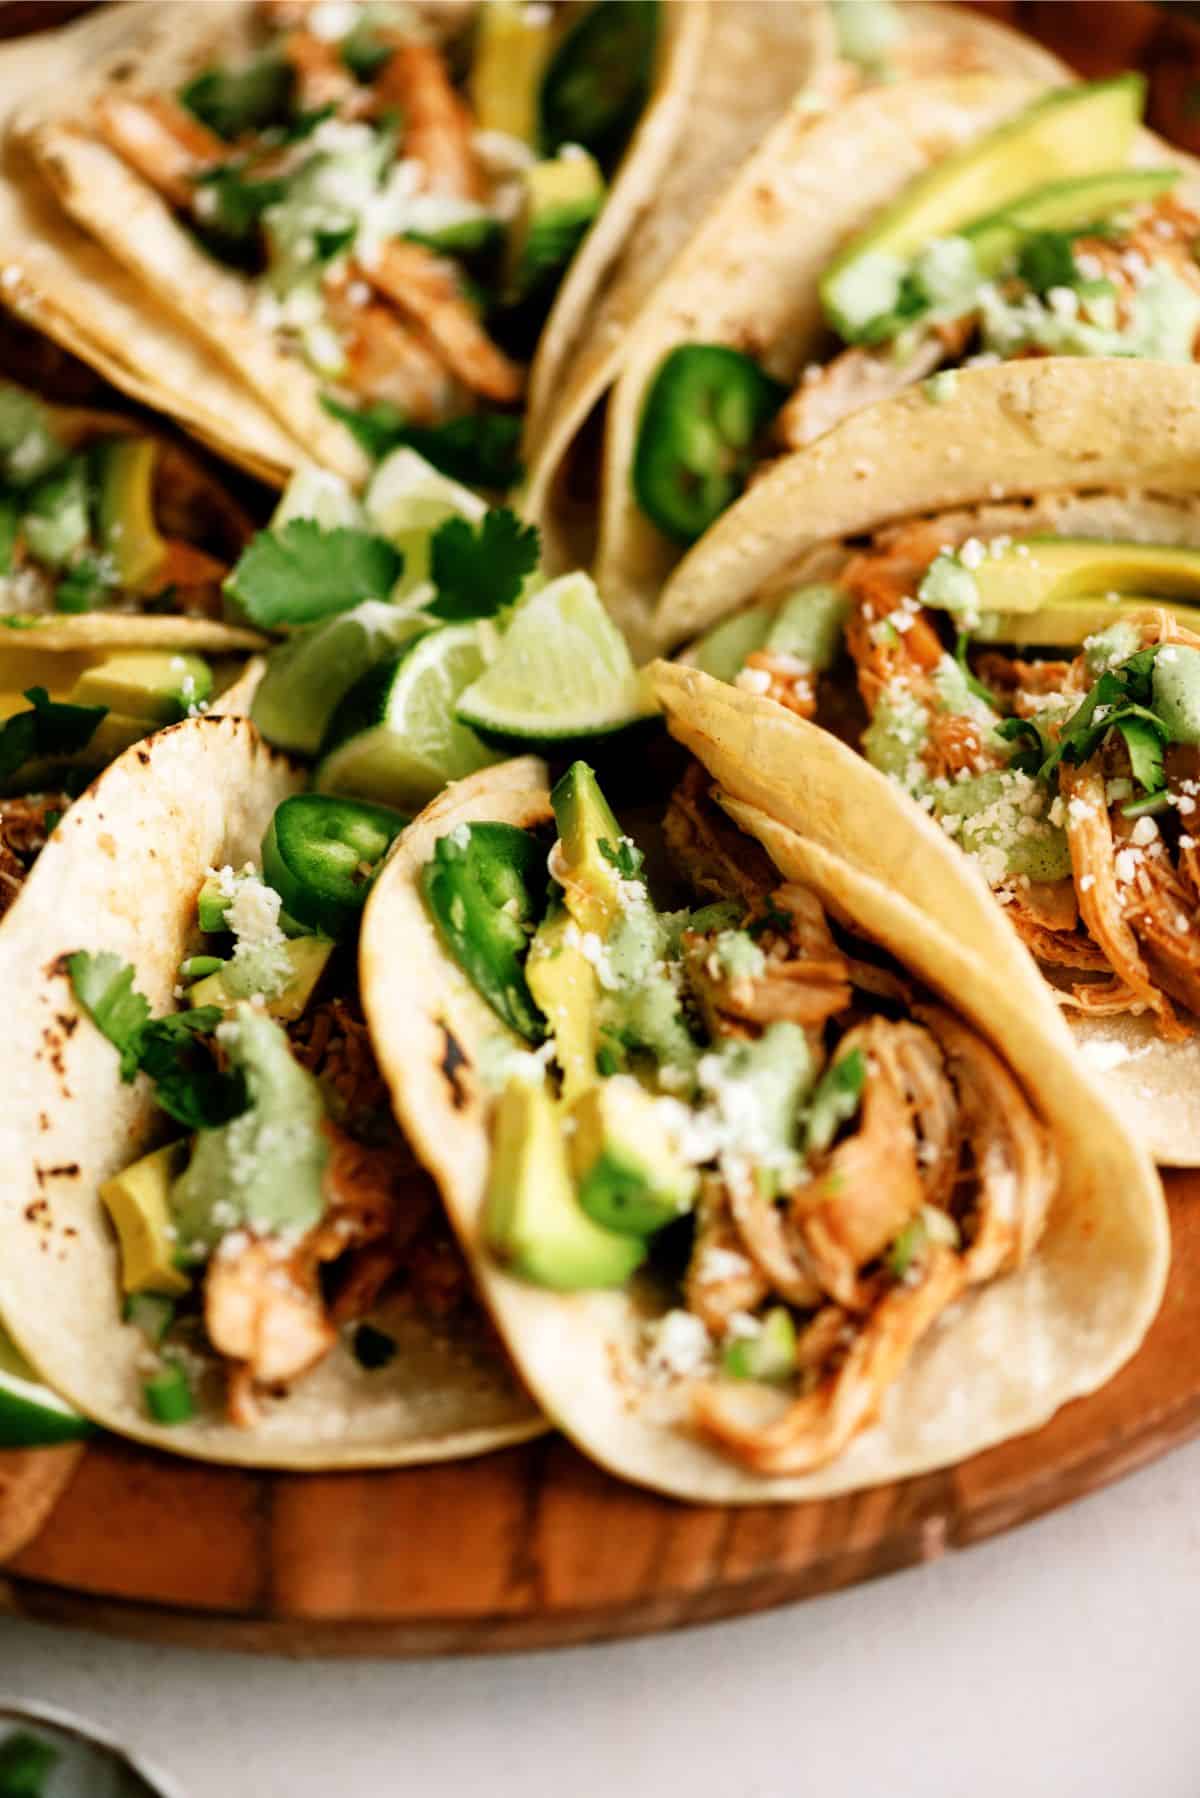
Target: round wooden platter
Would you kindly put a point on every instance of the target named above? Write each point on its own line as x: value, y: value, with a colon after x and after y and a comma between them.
x: 532, y: 1547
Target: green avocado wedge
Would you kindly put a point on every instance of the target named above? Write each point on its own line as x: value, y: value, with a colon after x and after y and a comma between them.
x: 1070, y: 132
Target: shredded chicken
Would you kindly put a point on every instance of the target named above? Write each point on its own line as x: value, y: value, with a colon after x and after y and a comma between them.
x: 714, y: 858
x: 426, y: 289
x: 438, y: 128
x: 791, y: 682
x: 1014, y: 1166
x: 857, y: 378
x: 816, y: 1427
x: 804, y: 980
x: 863, y: 1193
x: 23, y: 833
x: 322, y: 78
x: 389, y: 360
x: 737, y: 1284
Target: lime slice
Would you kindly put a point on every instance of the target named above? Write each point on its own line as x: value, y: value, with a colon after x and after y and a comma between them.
x: 308, y: 675
x: 395, y: 738
x: 563, y: 671
x: 318, y: 494
x: 31, y: 1416
x: 406, y: 502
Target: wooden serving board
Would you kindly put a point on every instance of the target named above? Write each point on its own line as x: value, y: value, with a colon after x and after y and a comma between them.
x: 533, y: 1547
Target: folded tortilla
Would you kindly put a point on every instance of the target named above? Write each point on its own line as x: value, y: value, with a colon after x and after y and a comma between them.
x: 1065, y: 443
x: 1000, y: 1363
x: 212, y: 304
x: 121, y: 873
x: 770, y: 74
x: 750, y: 278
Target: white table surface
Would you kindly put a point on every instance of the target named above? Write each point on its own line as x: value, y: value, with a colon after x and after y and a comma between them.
x: 1061, y: 1659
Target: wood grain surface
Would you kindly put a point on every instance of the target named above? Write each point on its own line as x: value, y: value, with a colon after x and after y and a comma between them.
x: 534, y: 1547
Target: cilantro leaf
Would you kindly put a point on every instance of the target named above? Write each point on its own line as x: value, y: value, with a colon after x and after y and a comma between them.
x: 233, y: 101
x: 188, y: 1084
x: 962, y: 644
x: 51, y: 728
x: 1145, y: 737
x: 479, y: 572
x: 1028, y: 760
x: 103, y: 985
x: 304, y: 573
x: 363, y: 52
x: 83, y: 586
x: 625, y: 857
x: 1117, y: 690
x: 231, y: 221
x: 481, y: 450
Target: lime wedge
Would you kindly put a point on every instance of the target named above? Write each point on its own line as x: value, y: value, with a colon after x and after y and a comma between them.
x: 406, y: 502
x: 563, y: 671
x: 308, y: 675
x: 395, y: 738
x: 319, y: 494
x: 31, y: 1416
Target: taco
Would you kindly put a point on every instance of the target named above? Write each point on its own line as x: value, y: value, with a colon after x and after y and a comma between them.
x: 364, y: 212
x: 973, y: 219
x: 1013, y: 646
x: 204, y: 1180
x: 115, y: 543
x: 776, y: 1193
x: 60, y: 280
x: 769, y: 72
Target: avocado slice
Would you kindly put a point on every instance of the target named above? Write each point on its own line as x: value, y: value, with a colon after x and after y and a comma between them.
x: 306, y: 957
x: 585, y: 822
x: 138, y: 1202
x: 560, y: 200
x: 564, y: 986
x: 770, y: 1355
x: 1065, y: 623
x: 124, y: 470
x: 512, y: 46
x: 532, y: 1220
x: 629, y: 1176
x: 158, y: 685
x: 1030, y: 574
x: 1062, y: 206
x: 1081, y: 130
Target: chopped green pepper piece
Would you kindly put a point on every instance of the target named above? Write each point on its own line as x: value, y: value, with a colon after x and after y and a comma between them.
x: 195, y: 967
x: 478, y: 887
x: 169, y: 1395
x: 321, y: 853
x: 835, y: 1101
x: 768, y: 1355
x: 152, y: 1313
x: 705, y: 411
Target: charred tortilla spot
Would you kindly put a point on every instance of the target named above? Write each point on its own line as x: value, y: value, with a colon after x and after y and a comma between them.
x: 143, y: 756
x: 452, y: 1064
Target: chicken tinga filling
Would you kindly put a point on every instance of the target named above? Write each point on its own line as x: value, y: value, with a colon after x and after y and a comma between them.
x: 95, y: 517
x: 405, y: 185
x: 795, y: 1156
x: 972, y: 265
x: 1066, y: 765
x: 287, y: 1207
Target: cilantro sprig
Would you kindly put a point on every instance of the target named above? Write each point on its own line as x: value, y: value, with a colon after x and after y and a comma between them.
x: 624, y: 856
x: 1120, y: 694
x: 233, y: 101
x: 189, y: 1086
x: 478, y: 571
x: 49, y: 728
x: 303, y: 573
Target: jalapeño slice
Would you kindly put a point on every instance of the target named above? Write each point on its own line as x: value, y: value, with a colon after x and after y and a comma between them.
x: 321, y: 853
x: 704, y: 413
x: 597, y: 79
x: 479, y: 887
